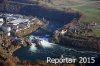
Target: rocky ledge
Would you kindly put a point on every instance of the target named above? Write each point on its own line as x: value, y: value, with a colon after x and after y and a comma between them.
x: 77, y: 34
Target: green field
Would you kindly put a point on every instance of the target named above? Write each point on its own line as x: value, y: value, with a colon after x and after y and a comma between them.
x: 91, y: 9
x: 92, y: 13
x: 97, y: 32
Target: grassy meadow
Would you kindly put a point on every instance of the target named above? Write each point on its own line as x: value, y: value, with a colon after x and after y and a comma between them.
x: 90, y: 8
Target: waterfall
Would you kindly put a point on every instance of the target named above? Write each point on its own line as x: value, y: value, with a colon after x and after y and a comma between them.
x: 44, y: 43
x: 48, y: 49
x: 33, y: 48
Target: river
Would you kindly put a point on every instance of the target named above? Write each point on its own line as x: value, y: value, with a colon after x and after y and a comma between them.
x: 56, y: 19
x: 51, y: 50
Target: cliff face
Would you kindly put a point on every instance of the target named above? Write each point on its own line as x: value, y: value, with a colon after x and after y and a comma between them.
x: 57, y: 36
x: 76, y: 34
x: 80, y: 43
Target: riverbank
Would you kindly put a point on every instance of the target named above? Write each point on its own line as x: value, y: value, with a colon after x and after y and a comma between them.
x: 77, y: 34
x: 18, y: 46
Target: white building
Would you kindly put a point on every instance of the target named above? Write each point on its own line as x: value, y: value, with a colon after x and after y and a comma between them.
x: 8, y: 34
x: 7, y: 30
x: 15, y: 23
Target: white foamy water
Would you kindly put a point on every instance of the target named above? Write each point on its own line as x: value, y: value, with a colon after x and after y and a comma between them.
x: 33, y: 48
x: 44, y: 43
x: 51, y: 50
